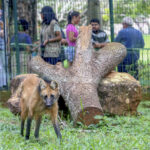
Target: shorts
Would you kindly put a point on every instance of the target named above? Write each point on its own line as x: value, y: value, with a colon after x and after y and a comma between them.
x: 69, y: 53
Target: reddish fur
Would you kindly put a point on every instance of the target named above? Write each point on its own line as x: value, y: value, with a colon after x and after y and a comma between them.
x: 32, y: 104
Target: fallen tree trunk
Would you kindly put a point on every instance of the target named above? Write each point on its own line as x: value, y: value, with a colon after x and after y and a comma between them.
x: 14, y: 101
x: 15, y: 82
x: 78, y: 84
x: 120, y: 94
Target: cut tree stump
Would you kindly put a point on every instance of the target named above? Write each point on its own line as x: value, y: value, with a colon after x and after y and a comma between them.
x: 120, y: 94
x: 15, y: 82
x: 79, y: 83
x: 14, y: 101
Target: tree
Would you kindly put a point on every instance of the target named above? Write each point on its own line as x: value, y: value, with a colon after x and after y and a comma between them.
x: 93, y: 10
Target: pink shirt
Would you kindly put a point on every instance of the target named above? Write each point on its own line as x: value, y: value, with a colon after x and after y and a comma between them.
x: 71, y: 28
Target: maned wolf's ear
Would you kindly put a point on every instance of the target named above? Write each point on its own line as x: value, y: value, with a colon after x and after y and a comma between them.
x: 53, y: 85
x: 42, y: 84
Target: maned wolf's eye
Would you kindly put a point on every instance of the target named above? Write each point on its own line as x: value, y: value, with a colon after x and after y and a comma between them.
x: 45, y: 97
x: 52, y: 96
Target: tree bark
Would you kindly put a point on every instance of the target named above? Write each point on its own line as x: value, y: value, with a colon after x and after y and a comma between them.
x: 78, y: 84
x: 94, y: 10
x: 120, y: 94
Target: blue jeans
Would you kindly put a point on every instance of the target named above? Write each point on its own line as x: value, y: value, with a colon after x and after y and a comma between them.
x: 130, y: 64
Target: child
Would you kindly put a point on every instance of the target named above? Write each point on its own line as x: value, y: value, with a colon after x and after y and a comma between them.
x: 72, y: 34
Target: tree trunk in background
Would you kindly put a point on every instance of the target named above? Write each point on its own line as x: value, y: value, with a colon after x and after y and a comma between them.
x: 94, y: 10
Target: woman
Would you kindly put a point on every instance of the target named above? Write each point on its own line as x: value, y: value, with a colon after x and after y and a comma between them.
x: 72, y: 34
x: 50, y: 36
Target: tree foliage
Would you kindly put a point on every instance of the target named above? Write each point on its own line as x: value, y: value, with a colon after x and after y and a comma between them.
x: 132, y: 8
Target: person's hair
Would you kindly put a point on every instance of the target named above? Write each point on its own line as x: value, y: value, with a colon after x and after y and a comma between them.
x: 48, y: 15
x: 71, y: 15
x: 128, y: 21
x: 95, y: 20
x: 23, y: 25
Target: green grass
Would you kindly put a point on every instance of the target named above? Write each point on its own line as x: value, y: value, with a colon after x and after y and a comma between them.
x: 113, y: 133
x: 147, y: 41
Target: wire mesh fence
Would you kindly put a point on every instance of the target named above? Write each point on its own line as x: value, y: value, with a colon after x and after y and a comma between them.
x: 21, y: 40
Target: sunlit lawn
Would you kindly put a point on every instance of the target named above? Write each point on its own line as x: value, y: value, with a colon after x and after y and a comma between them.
x: 114, y: 133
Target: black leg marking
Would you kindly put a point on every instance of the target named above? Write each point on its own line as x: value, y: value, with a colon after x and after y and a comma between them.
x: 37, y: 128
x: 22, y: 127
x: 57, y: 130
x: 29, y: 120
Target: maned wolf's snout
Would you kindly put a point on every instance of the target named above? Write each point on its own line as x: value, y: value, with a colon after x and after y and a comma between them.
x: 50, y: 101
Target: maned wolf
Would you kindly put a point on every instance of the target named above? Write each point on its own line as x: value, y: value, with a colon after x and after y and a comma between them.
x: 38, y: 97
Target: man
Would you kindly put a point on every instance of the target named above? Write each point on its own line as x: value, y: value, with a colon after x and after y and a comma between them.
x: 131, y: 38
x: 99, y: 37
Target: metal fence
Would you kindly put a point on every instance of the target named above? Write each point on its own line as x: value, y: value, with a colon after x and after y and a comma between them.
x: 15, y: 55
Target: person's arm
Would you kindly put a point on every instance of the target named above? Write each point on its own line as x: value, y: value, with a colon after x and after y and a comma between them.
x: 64, y: 42
x: 56, y: 39
x: 99, y: 45
x: 1, y: 24
x: 72, y: 38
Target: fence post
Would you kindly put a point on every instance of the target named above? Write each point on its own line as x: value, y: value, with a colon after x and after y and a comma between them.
x: 111, y: 19
x: 16, y: 36
x: 5, y: 11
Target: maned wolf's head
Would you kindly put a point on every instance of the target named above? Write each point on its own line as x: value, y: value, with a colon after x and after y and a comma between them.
x: 49, y: 92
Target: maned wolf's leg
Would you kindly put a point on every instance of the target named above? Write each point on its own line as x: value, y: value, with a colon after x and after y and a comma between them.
x: 54, y: 112
x: 29, y: 121
x: 38, y: 122
x: 22, y: 127
x: 57, y: 130
x: 23, y: 118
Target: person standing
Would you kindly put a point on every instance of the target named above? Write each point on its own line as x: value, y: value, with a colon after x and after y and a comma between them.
x: 24, y: 41
x: 50, y: 36
x: 131, y: 38
x: 72, y: 35
x: 99, y: 37
x: 2, y: 57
